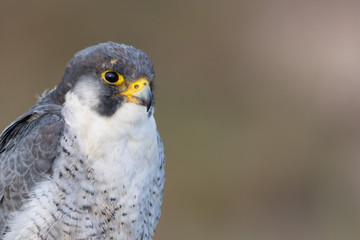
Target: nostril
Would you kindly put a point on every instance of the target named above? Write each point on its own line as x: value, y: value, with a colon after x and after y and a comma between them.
x: 145, y: 84
x: 136, y: 86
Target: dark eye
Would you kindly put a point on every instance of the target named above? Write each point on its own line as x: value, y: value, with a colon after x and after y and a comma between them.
x: 112, y: 77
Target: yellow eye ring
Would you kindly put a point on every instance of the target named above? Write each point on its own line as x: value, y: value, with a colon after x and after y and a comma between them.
x: 111, y: 77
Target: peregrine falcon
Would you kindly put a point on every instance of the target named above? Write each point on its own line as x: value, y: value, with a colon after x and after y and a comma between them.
x: 86, y: 161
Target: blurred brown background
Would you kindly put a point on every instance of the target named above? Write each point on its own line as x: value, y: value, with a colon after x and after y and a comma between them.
x: 257, y: 104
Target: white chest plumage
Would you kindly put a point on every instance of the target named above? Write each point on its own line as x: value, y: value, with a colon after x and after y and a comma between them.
x: 108, y: 179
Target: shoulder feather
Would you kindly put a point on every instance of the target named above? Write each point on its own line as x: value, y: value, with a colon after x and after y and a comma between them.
x: 28, y: 148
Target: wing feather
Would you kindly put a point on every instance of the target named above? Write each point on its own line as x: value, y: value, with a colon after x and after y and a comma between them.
x: 28, y: 148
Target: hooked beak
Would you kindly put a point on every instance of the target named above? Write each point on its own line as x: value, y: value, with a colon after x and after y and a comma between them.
x: 139, y: 92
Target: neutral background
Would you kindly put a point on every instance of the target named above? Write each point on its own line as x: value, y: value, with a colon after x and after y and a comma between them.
x: 257, y: 102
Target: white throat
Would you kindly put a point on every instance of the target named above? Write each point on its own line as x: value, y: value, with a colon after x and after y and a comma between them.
x: 105, y: 138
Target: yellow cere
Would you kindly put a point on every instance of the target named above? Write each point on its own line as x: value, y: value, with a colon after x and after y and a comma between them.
x: 116, y: 81
x: 136, y: 86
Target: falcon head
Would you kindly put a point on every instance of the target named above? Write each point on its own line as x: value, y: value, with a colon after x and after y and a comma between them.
x: 106, y: 76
